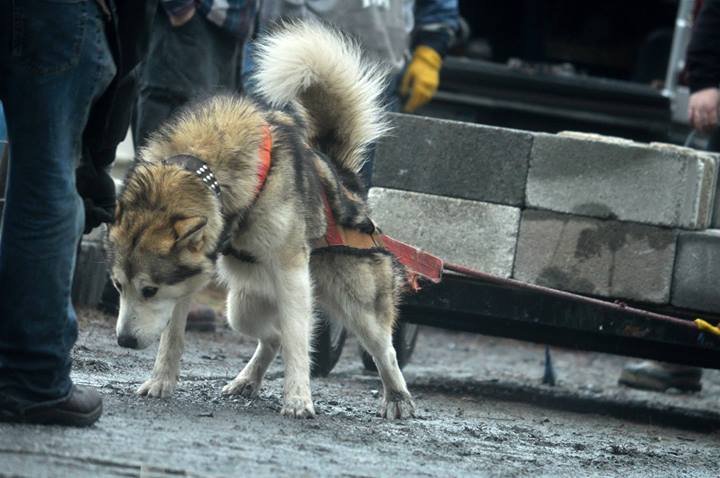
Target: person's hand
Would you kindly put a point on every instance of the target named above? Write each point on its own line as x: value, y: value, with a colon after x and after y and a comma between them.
x: 96, y: 215
x: 182, y: 19
x: 97, y: 189
x: 703, y: 109
x: 422, y: 78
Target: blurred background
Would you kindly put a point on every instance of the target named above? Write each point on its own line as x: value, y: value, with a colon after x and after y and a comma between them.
x: 553, y: 65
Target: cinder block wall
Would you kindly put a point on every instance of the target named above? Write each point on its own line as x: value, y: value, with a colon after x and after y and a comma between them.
x: 585, y: 213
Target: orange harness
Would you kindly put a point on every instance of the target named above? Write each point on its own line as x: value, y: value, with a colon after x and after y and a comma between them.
x: 417, y: 262
x: 334, y: 235
x: 264, y: 152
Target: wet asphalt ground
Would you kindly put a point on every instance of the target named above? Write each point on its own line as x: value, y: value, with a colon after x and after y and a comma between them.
x: 481, y: 412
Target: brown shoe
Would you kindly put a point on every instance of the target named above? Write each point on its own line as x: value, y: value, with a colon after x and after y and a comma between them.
x: 659, y: 376
x: 81, y: 408
x: 201, y: 318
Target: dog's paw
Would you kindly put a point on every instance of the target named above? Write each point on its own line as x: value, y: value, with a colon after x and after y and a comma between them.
x: 298, y: 408
x: 244, y: 387
x: 157, y: 387
x: 397, y: 407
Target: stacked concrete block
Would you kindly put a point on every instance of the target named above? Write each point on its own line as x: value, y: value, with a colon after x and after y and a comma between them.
x: 610, y: 178
x: 696, y: 279
x: 597, y: 257
x: 585, y: 213
x: 472, y: 233
x: 91, y: 269
x: 715, y: 221
x: 599, y: 216
x: 449, y: 158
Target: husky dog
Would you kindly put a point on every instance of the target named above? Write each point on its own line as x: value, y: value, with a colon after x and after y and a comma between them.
x: 241, y: 186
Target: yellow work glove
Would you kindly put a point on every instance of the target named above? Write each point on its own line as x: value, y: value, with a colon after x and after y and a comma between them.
x: 422, y: 78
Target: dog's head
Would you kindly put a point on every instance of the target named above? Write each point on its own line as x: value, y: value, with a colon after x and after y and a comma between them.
x: 159, y: 249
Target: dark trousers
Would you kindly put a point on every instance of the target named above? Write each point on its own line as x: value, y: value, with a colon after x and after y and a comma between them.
x: 183, y: 63
x: 714, y: 141
x: 54, y: 63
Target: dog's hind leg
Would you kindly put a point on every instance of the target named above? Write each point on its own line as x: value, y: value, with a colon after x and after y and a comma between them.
x: 167, y: 362
x: 248, y: 381
x: 373, y: 329
x: 294, y: 299
x: 256, y: 317
x: 363, y: 293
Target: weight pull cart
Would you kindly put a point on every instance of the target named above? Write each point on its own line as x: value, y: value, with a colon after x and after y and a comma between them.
x: 456, y: 297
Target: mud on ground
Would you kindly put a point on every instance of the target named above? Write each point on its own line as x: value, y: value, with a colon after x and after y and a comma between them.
x: 482, y: 412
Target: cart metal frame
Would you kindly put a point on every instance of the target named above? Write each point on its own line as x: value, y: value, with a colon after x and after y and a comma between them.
x: 476, y: 302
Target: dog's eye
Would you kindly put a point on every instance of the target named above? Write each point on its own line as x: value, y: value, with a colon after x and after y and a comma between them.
x: 148, y: 292
x: 117, y: 285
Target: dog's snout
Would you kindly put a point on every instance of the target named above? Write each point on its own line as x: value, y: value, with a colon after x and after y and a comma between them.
x: 127, y: 341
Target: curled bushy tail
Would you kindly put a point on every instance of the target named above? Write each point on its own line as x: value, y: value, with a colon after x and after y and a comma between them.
x: 325, y: 72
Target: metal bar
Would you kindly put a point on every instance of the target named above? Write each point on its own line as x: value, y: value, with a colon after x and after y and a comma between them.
x: 502, y: 309
x: 556, y: 110
x: 566, y: 295
x: 681, y: 38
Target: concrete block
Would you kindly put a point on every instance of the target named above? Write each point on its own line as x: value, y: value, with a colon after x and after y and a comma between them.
x: 449, y: 158
x: 597, y: 257
x: 715, y: 221
x: 592, y: 175
x: 697, y: 271
x: 91, y: 270
x: 471, y: 233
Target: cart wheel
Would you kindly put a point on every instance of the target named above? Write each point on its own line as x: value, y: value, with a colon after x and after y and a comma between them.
x: 404, y: 339
x: 328, y: 342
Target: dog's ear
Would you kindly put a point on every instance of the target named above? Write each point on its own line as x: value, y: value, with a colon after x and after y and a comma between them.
x: 189, y: 230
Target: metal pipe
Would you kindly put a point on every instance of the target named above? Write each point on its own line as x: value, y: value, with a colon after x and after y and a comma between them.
x: 466, y: 271
x: 681, y: 38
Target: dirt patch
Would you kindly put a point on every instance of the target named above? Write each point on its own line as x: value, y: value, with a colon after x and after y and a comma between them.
x: 462, y: 429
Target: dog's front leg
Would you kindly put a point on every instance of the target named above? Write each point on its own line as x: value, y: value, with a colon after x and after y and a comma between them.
x: 294, y: 295
x: 167, y: 363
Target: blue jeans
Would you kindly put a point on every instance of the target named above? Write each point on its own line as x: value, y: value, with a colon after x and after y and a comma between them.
x: 183, y: 63
x: 3, y: 129
x: 54, y: 63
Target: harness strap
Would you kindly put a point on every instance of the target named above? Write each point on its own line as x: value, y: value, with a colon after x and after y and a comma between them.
x: 264, y: 153
x: 332, y: 234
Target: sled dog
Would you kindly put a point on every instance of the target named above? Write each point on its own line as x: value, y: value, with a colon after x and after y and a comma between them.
x: 241, y: 187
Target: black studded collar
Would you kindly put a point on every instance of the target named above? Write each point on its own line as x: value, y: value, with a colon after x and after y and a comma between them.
x: 199, y: 168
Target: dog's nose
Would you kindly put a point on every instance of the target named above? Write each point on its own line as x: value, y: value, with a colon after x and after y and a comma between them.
x: 127, y: 341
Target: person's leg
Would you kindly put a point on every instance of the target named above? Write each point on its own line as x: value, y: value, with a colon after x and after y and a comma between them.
x: 183, y: 63
x: 54, y: 62
x: 3, y: 160
x: 3, y: 129
x: 247, y: 68
x: 714, y: 141
x: 392, y: 103
x: 159, y: 93
x: 152, y: 108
